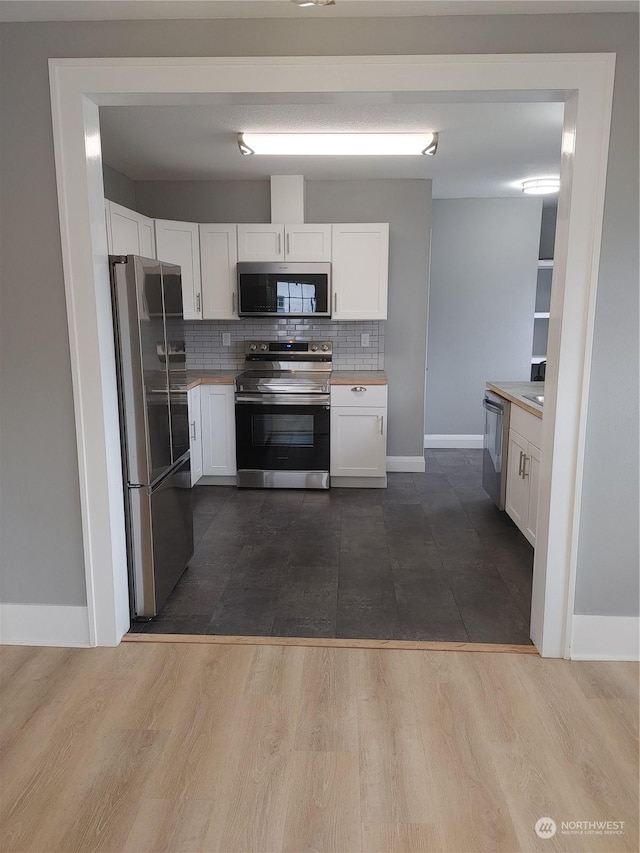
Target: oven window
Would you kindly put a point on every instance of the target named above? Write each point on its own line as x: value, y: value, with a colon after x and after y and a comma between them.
x: 296, y: 297
x: 282, y: 430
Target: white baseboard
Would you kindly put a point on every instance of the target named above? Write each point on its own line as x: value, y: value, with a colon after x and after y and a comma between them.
x: 407, y: 464
x: 435, y: 442
x: 605, y: 638
x: 44, y: 625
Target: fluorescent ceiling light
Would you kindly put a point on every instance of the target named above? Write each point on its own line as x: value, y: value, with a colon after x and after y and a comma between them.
x: 541, y: 186
x: 340, y: 144
x: 314, y: 2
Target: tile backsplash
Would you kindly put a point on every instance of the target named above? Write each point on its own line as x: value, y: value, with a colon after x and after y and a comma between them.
x: 206, y: 352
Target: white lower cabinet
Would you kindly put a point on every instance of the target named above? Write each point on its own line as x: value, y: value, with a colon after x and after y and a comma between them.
x: 359, y: 432
x: 523, y: 471
x: 195, y: 433
x: 218, y: 430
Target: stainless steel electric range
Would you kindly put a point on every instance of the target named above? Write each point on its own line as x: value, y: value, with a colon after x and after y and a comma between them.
x: 282, y: 415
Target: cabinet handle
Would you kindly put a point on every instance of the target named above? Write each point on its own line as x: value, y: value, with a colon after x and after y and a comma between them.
x: 233, y: 302
x: 279, y: 243
x: 525, y: 473
x: 358, y: 388
x: 288, y: 247
x: 381, y: 424
x: 520, y: 464
x: 335, y: 303
x: 198, y: 302
x: 193, y: 430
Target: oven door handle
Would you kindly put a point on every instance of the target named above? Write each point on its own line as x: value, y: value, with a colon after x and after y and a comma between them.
x: 284, y: 399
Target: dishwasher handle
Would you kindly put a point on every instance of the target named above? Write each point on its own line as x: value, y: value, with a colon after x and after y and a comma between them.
x: 490, y: 406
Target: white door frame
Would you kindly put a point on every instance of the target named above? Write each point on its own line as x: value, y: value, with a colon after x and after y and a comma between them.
x: 79, y: 86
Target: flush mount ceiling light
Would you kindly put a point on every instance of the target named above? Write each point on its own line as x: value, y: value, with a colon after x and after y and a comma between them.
x: 338, y: 144
x: 314, y: 2
x: 541, y: 186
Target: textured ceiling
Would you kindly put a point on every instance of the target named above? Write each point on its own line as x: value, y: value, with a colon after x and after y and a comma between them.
x: 484, y: 151
x: 105, y: 10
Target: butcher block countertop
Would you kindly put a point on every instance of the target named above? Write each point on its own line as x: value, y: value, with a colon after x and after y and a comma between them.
x: 514, y: 392
x: 338, y: 377
x: 358, y: 377
x: 211, y: 377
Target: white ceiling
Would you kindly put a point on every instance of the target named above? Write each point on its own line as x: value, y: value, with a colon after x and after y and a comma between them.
x: 484, y: 151
x: 104, y: 10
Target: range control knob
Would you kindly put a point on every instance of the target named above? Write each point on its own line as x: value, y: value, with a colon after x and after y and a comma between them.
x: 325, y: 347
x: 314, y: 348
x: 264, y: 347
x: 253, y: 347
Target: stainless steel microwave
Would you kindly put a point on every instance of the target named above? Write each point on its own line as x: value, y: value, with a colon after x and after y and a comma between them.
x: 281, y: 289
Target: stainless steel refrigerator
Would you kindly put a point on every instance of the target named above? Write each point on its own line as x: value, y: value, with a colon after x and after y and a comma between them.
x: 152, y: 391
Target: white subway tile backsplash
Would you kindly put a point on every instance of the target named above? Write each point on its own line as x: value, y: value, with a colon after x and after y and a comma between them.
x: 205, y: 351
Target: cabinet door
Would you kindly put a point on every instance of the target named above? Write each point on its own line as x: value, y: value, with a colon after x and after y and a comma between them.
x: 195, y: 434
x: 178, y: 243
x: 146, y: 237
x: 261, y: 242
x: 218, y: 430
x: 517, y: 500
x: 358, y: 442
x: 360, y: 270
x: 532, y: 471
x: 125, y: 238
x: 218, y: 259
x: 307, y: 242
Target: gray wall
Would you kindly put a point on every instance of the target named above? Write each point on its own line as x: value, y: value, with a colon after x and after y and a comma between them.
x: 41, y: 533
x: 118, y: 187
x: 484, y: 266
x: 205, y: 201
x: 548, y: 231
x: 405, y: 205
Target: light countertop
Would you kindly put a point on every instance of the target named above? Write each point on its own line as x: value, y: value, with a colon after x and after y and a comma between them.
x: 515, y: 391
x: 338, y: 377
x: 211, y: 377
x: 358, y: 377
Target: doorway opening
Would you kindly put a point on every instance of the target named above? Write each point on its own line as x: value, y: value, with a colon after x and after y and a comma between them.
x: 77, y: 88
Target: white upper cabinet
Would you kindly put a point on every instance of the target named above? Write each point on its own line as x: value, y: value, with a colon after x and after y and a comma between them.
x: 218, y: 258
x: 179, y: 243
x: 129, y: 233
x: 260, y: 242
x: 360, y: 271
x: 307, y: 243
x: 296, y: 243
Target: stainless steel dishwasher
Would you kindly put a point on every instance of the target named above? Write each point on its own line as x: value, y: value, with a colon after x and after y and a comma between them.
x: 496, y: 441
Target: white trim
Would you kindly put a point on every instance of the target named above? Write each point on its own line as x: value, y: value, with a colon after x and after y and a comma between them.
x: 408, y: 464
x: 44, y: 625
x: 584, y: 80
x: 447, y: 441
x: 605, y: 638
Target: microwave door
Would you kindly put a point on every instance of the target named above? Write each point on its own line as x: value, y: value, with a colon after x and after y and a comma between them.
x: 284, y: 290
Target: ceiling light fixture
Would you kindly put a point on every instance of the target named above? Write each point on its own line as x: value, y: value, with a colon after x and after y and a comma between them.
x: 314, y: 2
x: 338, y: 144
x: 541, y: 186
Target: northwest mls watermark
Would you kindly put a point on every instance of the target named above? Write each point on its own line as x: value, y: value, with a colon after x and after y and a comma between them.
x: 546, y: 827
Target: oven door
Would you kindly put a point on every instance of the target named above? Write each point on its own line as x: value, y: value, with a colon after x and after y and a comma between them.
x: 282, y: 433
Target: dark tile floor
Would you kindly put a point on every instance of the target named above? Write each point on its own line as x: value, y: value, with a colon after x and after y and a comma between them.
x: 428, y: 558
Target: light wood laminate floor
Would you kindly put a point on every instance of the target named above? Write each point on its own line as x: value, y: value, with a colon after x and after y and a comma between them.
x: 196, y: 747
